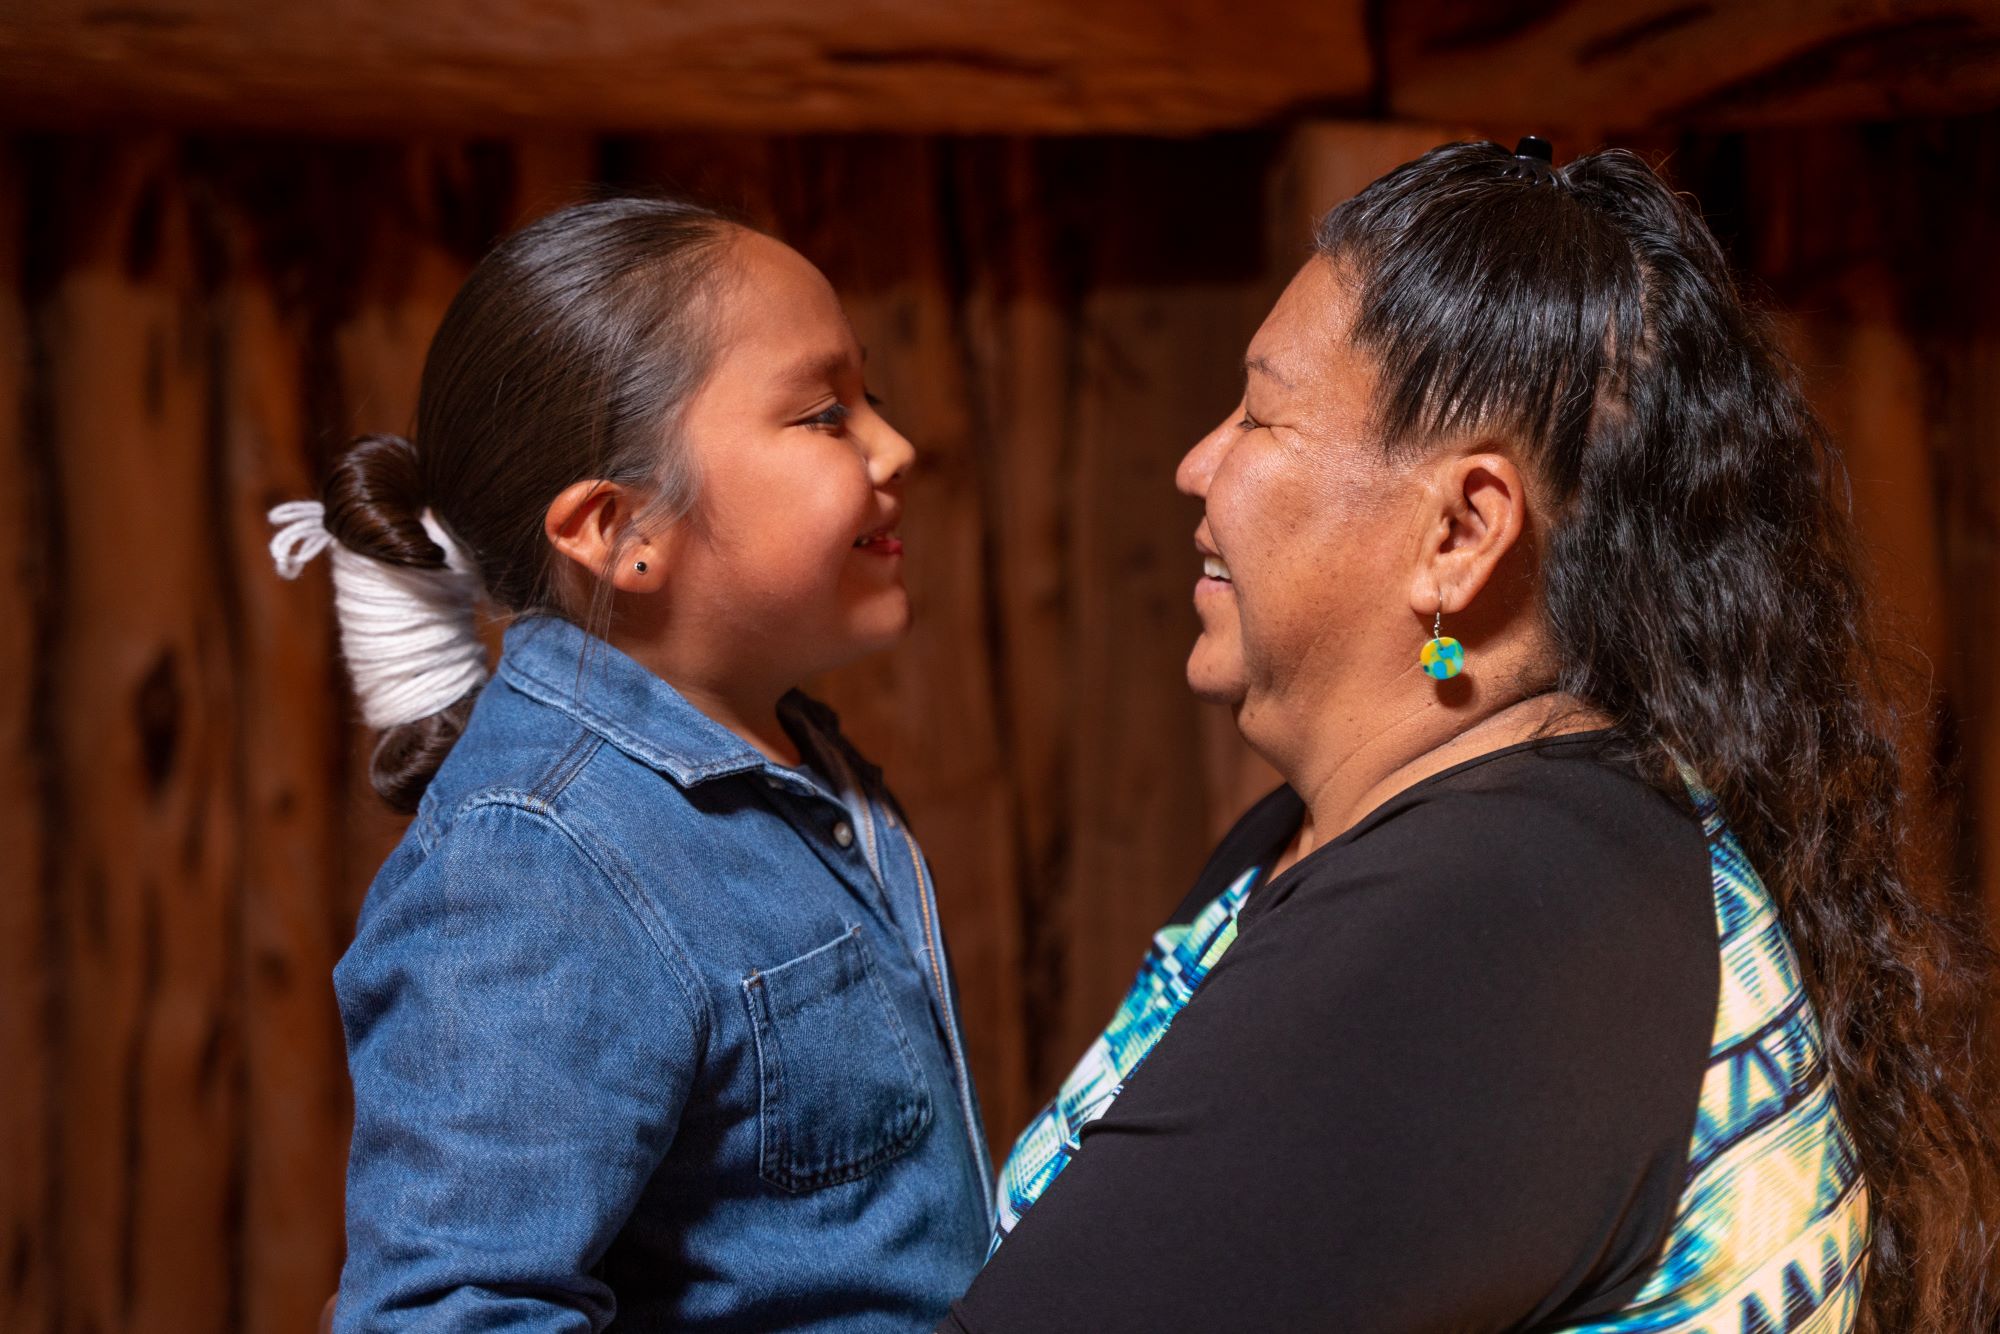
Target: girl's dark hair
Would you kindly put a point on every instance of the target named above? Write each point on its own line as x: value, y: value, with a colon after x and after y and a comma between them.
x: 566, y: 356
x: 1700, y: 587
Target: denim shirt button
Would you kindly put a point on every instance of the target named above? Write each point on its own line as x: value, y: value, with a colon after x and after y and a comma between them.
x: 843, y: 834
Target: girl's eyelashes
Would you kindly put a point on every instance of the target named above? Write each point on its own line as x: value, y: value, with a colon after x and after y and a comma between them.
x: 832, y: 418
x: 835, y: 415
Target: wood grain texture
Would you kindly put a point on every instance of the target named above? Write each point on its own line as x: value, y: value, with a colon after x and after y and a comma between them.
x: 1018, y: 339
x: 192, y: 325
x: 289, y: 749
x: 1539, y: 66
x: 1011, y: 66
x: 1191, y: 260
x: 30, y: 1113
x: 486, y: 65
x: 144, y: 736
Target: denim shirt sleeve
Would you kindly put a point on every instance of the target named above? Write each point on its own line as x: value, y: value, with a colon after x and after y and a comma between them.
x: 521, y: 1046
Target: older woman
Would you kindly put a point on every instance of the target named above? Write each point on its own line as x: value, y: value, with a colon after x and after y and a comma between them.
x: 1575, y: 979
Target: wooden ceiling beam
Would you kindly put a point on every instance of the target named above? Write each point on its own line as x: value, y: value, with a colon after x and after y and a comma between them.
x: 972, y: 66
x: 1015, y: 66
x: 1722, y: 65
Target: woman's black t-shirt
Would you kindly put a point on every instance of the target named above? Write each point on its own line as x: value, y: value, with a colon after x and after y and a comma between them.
x: 1445, y: 1078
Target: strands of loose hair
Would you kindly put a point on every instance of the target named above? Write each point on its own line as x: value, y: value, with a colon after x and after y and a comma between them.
x: 1700, y: 587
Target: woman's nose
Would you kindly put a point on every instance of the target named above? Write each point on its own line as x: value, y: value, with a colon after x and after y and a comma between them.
x: 1198, y: 465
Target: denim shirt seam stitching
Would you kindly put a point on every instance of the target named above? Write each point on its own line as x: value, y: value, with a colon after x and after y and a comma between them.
x: 681, y: 767
x: 596, y: 854
x: 565, y: 768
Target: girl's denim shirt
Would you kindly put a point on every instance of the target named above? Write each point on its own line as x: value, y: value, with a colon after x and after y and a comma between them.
x: 644, y: 1025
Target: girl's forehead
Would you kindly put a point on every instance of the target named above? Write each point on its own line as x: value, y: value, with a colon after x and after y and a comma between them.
x: 767, y: 269
x: 774, y: 287
x: 779, y: 327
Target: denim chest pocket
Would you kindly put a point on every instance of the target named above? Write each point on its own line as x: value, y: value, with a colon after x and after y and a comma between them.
x: 839, y: 1089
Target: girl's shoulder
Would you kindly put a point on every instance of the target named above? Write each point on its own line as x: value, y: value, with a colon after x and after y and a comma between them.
x: 502, y: 861
x: 517, y: 750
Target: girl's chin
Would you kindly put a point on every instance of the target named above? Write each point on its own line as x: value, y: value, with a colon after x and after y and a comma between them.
x: 880, y: 620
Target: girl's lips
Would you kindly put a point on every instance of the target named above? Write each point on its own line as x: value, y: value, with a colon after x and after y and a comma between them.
x: 881, y: 544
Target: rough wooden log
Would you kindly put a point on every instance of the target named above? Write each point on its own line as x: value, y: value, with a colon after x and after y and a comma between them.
x: 1021, y: 65
x: 1175, y: 286
x: 1579, y: 65
x: 1015, y: 322
x: 144, y: 736
x: 291, y: 743
x: 1017, y: 65
x: 30, y: 1113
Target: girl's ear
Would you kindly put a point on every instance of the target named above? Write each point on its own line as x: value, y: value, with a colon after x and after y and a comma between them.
x: 591, y: 523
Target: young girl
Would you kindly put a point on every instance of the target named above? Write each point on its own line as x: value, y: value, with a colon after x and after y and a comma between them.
x: 648, y: 1016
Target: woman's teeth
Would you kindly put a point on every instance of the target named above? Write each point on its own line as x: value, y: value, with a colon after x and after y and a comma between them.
x: 1213, y: 567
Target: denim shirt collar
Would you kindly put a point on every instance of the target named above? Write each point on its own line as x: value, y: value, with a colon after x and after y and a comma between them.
x: 557, y: 664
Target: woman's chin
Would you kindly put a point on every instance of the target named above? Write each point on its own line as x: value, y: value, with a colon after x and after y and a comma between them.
x: 1213, y: 675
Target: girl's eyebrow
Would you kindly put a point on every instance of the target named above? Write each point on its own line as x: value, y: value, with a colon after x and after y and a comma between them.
x: 813, y: 369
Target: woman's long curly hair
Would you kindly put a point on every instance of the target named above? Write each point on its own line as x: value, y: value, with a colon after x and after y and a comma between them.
x: 1701, y: 588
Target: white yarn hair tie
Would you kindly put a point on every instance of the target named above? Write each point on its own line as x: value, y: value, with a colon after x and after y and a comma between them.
x: 410, y: 636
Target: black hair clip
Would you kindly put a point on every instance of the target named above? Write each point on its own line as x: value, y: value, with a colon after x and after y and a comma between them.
x: 1534, y: 161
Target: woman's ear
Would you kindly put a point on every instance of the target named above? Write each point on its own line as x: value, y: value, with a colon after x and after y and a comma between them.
x: 1476, y: 511
x: 591, y: 523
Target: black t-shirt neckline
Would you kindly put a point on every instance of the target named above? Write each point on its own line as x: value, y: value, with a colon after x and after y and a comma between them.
x: 1293, y: 806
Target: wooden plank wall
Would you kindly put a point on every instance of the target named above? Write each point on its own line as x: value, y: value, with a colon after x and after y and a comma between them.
x: 194, y: 323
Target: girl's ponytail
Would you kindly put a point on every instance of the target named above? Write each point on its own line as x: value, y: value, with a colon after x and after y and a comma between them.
x: 405, y: 595
x: 567, y: 356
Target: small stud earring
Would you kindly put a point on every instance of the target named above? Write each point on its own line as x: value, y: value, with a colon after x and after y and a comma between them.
x: 1442, y: 657
x: 639, y: 565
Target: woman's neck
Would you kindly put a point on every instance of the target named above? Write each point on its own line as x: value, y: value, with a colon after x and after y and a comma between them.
x: 1356, y: 770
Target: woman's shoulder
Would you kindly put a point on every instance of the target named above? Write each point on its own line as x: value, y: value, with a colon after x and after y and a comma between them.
x: 1555, y: 824
x: 1550, y: 874
x: 1253, y: 841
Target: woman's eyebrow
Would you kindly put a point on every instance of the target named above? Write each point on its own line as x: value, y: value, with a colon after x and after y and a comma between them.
x: 1263, y: 366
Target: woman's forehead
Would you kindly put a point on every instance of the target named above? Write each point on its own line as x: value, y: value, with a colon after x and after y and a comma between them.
x: 1305, y: 338
x: 1305, y: 355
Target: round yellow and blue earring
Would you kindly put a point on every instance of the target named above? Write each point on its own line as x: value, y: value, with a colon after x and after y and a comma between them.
x: 1442, y: 657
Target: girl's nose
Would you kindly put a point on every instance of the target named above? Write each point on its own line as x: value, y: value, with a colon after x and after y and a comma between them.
x: 889, y: 455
